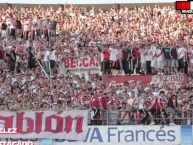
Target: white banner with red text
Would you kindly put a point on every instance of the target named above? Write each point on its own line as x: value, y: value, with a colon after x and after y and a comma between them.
x: 177, y: 81
x: 74, y: 63
x: 69, y: 124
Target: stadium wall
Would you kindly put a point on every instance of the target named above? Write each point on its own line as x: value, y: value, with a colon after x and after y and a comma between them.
x: 124, y: 135
x: 88, y: 6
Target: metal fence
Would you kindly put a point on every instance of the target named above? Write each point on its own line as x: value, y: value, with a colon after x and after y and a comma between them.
x: 111, y: 117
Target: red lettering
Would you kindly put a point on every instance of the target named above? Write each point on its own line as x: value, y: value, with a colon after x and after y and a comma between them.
x: 79, y: 124
x: 73, y: 63
x: 92, y: 62
x: 67, y: 62
x: 97, y: 63
x: 38, y: 126
x: 20, y: 123
x: 85, y: 62
x: 54, y: 124
x: 59, y: 124
x: 69, y: 121
x: 8, y: 121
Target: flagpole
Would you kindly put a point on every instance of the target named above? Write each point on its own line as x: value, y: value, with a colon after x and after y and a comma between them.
x: 43, y: 69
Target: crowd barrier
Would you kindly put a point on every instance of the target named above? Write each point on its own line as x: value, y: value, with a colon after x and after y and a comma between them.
x: 110, y: 117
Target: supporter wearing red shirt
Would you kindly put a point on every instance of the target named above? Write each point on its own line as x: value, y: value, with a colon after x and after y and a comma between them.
x: 106, y: 54
x: 95, y: 102
x: 104, y: 101
x: 137, y: 57
x: 106, y: 62
x: 95, y: 105
x: 157, y: 107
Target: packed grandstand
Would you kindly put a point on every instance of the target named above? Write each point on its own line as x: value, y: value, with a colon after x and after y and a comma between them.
x: 58, y: 59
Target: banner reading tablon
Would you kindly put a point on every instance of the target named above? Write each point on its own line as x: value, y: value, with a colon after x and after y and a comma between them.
x: 69, y: 125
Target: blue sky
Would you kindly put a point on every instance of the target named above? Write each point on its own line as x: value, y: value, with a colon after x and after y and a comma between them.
x: 83, y: 1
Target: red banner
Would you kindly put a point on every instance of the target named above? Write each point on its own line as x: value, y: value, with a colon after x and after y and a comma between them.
x: 123, y: 79
x: 161, y: 80
x: 69, y: 125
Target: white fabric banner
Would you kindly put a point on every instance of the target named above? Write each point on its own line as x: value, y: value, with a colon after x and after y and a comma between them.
x: 169, y: 80
x: 82, y: 63
x: 69, y: 125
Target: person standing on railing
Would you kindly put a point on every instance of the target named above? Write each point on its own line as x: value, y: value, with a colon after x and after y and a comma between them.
x: 125, y: 61
x: 185, y: 111
x: 53, y: 58
x: 137, y: 60
x: 142, y: 107
x: 31, y: 58
x: 61, y: 63
x: 106, y: 62
x: 46, y: 60
x: 124, y: 115
x: 156, y: 108
x: 132, y: 106
x: 148, y: 59
x: 18, y: 28
x: 167, y: 59
x: 181, y: 55
x: 113, y: 58
x: 104, y: 99
x: 3, y: 27
x: 171, y: 107
x: 52, y: 33
x: 12, y: 59
x: 95, y: 110
x: 174, y: 60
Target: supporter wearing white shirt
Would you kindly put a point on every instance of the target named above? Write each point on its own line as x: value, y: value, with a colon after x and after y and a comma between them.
x: 113, y: 57
x: 159, y: 59
x: 52, y: 55
x: 52, y: 58
x: 132, y: 102
x: 153, y: 61
x: 113, y: 54
x: 46, y: 55
x: 181, y: 54
x: 38, y: 26
x: 153, y: 50
x: 148, y: 60
x: 148, y: 54
x: 46, y: 60
x: 143, y: 59
x: 12, y: 26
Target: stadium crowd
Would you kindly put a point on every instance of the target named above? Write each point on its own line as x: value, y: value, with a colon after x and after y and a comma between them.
x: 35, y: 41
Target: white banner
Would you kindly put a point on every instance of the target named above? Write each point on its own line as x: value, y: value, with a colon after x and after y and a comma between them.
x: 132, y: 135
x: 82, y: 63
x: 169, y: 80
x: 69, y: 125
